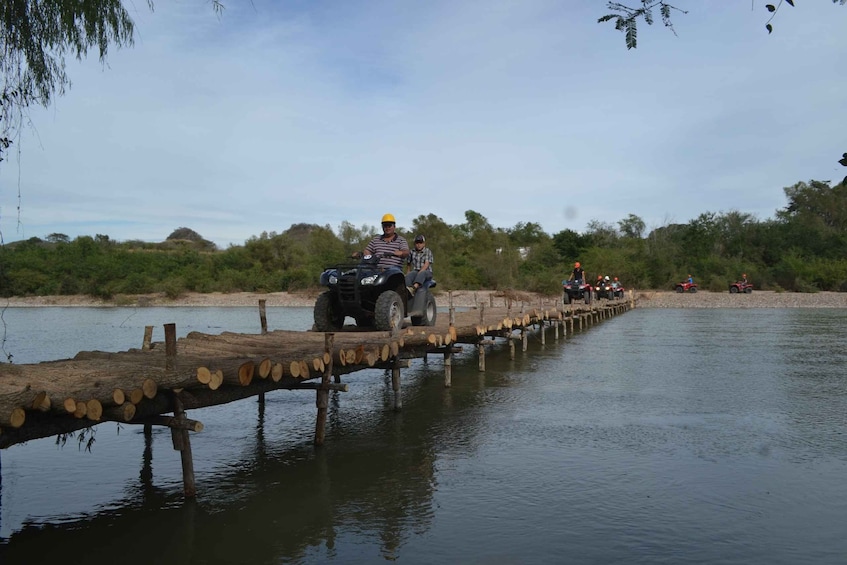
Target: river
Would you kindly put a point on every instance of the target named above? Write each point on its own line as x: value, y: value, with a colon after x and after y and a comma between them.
x: 658, y: 436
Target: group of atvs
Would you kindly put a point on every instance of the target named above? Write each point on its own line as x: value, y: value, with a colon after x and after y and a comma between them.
x: 604, y: 287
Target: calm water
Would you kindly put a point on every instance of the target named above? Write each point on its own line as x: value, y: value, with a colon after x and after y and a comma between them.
x: 659, y: 436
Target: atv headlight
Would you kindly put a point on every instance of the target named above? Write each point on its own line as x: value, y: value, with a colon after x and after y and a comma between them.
x: 369, y: 279
x: 333, y: 279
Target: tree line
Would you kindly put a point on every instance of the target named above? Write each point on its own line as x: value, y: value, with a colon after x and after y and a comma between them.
x: 803, y: 248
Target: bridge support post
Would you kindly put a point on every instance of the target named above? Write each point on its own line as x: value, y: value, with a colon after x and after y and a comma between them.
x: 182, y: 443
x: 322, y: 394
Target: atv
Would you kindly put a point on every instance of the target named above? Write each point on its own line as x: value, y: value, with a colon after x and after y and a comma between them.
x: 740, y: 286
x: 374, y: 296
x: 686, y: 287
x: 603, y: 290
x: 576, y: 290
x: 617, y: 290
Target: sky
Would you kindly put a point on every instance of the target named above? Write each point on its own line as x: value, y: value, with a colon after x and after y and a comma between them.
x: 309, y: 111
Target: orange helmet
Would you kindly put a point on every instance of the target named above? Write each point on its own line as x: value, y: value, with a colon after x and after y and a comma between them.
x: 576, y: 265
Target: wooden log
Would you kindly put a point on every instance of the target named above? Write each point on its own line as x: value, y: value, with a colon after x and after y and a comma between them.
x: 81, y: 409
x: 17, y: 417
x: 264, y: 368
x: 217, y: 380
x: 41, y: 402
x: 149, y: 388
x: 276, y: 372
x: 204, y: 375
x: 93, y: 410
x: 118, y: 396
x: 245, y: 373
x: 294, y: 369
x: 136, y: 395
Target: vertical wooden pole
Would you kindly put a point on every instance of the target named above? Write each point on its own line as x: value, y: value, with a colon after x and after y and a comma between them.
x: 448, y: 367
x: 556, y: 329
x: 170, y: 346
x: 543, y: 339
x: 182, y: 443
x: 452, y: 310
x: 263, y: 318
x: 322, y: 394
x: 511, y: 348
x: 491, y: 300
x: 263, y: 321
x: 148, y: 337
x: 481, y: 357
x: 524, y: 338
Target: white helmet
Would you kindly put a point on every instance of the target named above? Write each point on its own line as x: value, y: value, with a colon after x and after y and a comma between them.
x: 607, y: 277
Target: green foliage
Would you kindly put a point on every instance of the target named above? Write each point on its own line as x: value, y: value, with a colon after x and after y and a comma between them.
x: 803, y: 249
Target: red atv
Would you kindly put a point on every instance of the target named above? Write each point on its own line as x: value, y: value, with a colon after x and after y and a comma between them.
x: 576, y: 290
x: 686, y: 287
x: 740, y: 286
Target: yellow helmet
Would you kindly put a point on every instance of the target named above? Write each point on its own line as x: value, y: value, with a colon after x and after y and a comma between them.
x: 389, y: 218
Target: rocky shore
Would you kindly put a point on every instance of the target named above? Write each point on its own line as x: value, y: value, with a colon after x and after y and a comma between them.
x: 461, y: 299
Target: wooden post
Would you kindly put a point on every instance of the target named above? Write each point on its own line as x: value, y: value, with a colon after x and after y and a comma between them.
x: 452, y: 310
x: 491, y: 300
x: 395, y: 384
x: 556, y: 329
x: 511, y: 348
x: 481, y: 348
x: 448, y: 367
x: 543, y: 339
x: 182, y: 443
x: 525, y: 338
x: 322, y: 394
x: 263, y: 318
x: 148, y: 337
x: 170, y: 346
x: 481, y: 313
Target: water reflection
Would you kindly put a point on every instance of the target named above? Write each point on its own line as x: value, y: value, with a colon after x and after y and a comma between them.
x: 675, y: 436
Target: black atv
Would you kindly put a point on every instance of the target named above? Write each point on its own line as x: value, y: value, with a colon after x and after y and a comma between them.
x: 374, y: 296
x: 603, y: 289
x: 576, y: 290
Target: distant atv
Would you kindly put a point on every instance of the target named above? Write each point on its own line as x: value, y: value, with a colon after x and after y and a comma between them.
x: 740, y: 286
x: 617, y: 290
x: 374, y: 296
x: 603, y: 289
x: 686, y: 287
x: 576, y: 290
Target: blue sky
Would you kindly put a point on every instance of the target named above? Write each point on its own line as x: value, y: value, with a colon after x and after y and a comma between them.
x: 277, y: 113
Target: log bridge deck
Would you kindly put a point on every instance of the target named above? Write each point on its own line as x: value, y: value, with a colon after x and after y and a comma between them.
x: 144, y: 386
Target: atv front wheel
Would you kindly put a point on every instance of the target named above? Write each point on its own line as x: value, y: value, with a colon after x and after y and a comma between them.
x: 680, y: 289
x: 328, y: 317
x: 388, y: 312
x: 733, y: 290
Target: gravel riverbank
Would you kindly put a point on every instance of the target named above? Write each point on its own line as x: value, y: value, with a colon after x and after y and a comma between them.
x: 461, y: 299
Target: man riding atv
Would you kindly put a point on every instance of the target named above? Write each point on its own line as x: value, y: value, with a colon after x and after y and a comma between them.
x: 373, y: 292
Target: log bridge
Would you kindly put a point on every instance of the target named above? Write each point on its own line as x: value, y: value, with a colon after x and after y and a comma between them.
x: 156, y: 384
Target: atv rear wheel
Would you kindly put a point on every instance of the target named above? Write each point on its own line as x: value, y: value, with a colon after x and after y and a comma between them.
x: 388, y: 312
x: 748, y: 290
x: 328, y: 317
x: 692, y: 289
x: 430, y: 312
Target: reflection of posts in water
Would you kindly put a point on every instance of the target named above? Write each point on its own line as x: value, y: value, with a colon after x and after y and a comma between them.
x: 146, y: 474
x: 260, y: 429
